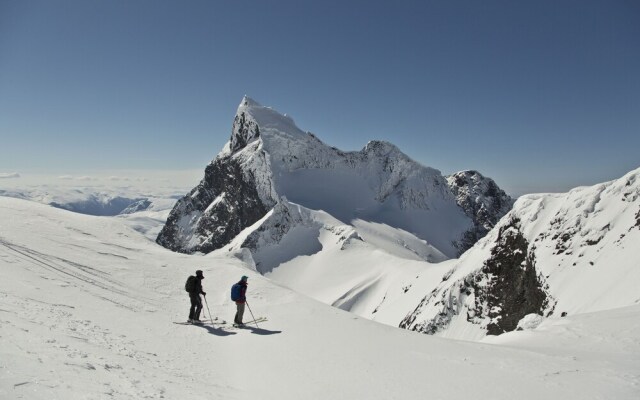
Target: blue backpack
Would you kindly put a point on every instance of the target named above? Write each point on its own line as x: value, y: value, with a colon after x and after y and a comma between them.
x: 235, y: 292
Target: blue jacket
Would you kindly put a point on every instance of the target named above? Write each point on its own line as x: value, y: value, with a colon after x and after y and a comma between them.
x: 243, y: 292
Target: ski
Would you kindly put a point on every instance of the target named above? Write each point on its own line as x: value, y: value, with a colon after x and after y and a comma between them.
x: 258, y: 320
x: 216, y: 321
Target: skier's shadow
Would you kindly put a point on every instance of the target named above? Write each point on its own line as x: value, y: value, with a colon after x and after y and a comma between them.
x: 216, y: 331
x: 260, y: 331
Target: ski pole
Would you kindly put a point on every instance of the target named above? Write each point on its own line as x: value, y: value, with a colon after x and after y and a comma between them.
x: 254, y: 318
x: 209, y: 311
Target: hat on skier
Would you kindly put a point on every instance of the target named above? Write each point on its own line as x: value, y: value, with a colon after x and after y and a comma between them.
x: 244, y: 278
x: 199, y: 274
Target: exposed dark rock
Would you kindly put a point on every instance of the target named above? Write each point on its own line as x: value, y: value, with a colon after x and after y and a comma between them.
x: 482, y: 201
x: 509, y: 287
x: 223, y: 204
x: 592, y: 242
x: 244, y: 130
x: 449, y: 301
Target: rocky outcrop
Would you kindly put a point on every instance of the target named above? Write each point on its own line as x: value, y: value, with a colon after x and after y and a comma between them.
x: 495, y: 297
x: 508, y: 288
x: 212, y: 214
x: 482, y: 200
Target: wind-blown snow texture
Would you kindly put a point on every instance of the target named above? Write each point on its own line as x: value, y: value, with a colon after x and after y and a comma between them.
x: 87, y: 304
x: 268, y: 157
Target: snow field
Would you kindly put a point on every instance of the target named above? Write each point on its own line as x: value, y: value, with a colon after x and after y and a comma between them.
x: 87, y: 306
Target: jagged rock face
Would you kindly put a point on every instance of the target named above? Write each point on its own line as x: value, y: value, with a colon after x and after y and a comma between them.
x: 482, y: 200
x: 244, y: 131
x: 211, y: 215
x: 508, y: 288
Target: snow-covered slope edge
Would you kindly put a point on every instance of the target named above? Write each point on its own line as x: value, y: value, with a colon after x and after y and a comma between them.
x: 559, y: 254
x: 86, y: 306
x: 268, y: 157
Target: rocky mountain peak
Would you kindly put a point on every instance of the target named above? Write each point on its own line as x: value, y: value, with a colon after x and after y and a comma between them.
x: 481, y: 199
x: 381, y: 148
x: 268, y: 156
x: 248, y: 102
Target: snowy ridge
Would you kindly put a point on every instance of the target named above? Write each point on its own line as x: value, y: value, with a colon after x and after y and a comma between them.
x: 563, y: 254
x: 286, y: 232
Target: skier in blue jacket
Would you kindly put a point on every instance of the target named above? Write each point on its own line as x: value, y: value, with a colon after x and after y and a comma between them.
x: 241, y: 300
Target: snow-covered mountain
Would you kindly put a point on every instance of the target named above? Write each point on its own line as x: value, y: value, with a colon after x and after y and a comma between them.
x: 552, y: 254
x: 269, y: 161
x: 87, y: 305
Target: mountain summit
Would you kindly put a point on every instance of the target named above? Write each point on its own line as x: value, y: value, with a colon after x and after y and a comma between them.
x: 269, y: 160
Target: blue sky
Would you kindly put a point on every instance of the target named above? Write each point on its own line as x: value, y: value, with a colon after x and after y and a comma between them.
x: 541, y: 96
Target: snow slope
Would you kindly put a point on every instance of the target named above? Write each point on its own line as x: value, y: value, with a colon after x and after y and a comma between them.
x: 87, y: 305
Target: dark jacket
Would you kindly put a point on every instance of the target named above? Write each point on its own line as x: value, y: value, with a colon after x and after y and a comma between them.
x: 198, y: 287
x: 243, y: 292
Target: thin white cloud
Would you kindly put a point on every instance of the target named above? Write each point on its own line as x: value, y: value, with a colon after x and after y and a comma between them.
x: 8, y: 175
x: 118, y: 178
x: 77, y: 178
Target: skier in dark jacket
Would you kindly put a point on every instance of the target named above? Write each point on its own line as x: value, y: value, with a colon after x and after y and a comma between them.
x: 242, y: 300
x: 196, y: 301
